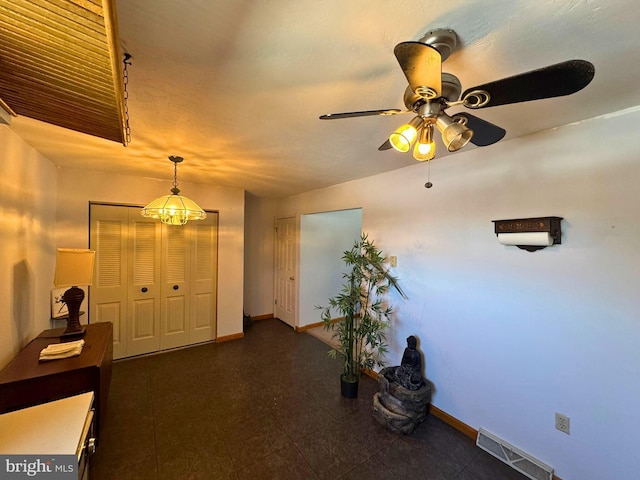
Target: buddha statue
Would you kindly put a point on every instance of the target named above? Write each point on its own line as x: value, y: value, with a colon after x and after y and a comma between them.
x: 409, y: 373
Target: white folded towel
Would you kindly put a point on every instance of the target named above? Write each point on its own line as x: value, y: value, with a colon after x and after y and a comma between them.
x: 62, y: 350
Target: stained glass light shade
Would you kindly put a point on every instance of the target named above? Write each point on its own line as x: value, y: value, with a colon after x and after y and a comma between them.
x: 174, y: 210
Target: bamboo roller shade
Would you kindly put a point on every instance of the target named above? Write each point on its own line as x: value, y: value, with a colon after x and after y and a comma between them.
x: 60, y: 63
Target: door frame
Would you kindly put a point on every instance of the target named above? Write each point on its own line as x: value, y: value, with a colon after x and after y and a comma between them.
x: 304, y: 314
x: 323, y: 238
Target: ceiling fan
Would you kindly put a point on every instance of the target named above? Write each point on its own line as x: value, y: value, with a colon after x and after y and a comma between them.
x: 431, y: 92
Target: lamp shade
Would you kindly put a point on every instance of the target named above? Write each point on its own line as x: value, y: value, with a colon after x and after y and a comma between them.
x: 454, y: 134
x: 74, y: 266
x: 404, y: 136
x: 425, y: 148
x: 173, y: 210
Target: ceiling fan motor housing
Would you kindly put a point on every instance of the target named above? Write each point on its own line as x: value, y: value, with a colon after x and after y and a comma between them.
x: 451, y: 87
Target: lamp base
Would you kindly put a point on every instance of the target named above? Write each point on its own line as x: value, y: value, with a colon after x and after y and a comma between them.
x: 73, y: 298
x: 73, y: 332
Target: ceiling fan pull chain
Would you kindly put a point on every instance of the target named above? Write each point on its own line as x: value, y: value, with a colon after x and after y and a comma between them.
x: 428, y: 184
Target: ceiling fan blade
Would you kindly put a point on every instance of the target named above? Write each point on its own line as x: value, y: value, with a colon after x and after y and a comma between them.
x: 422, y: 65
x: 366, y: 113
x: 556, y: 80
x: 385, y: 146
x: 484, y: 133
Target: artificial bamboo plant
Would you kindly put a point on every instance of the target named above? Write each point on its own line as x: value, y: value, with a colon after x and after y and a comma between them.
x: 365, y: 316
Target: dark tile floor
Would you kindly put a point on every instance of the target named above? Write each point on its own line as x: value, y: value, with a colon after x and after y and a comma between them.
x: 266, y: 407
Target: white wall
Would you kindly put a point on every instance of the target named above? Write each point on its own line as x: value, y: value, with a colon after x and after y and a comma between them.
x: 27, y: 248
x: 510, y: 337
x: 259, y: 240
x: 324, y: 237
x: 76, y: 188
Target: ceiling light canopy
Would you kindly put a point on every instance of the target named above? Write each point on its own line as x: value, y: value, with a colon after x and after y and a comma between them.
x: 174, y: 209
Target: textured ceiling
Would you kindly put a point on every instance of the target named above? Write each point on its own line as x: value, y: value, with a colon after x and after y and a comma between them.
x: 236, y: 88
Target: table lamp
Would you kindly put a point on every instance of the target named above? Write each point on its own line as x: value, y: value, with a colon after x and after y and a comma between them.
x: 74, y: 266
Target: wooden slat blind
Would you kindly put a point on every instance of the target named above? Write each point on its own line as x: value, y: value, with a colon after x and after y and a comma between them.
x: 60, y: 63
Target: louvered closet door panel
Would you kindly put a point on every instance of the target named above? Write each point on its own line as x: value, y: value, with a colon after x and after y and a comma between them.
x: 108, y: 294
x: 204, y: 267
x: 174, y: 315
x: 143, y: 332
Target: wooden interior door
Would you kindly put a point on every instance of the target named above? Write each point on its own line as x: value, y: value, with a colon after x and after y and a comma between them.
x: 286, y: 269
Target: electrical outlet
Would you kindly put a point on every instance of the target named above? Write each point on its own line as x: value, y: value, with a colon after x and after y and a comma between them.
x: 562, y: 423
x: 393, y: 260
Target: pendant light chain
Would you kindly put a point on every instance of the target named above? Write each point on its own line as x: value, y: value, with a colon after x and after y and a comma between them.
x: 175, y: 190
x: 125, y: 81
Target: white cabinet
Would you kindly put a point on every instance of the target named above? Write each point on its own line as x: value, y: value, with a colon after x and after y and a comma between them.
x: 59, y: 434
x: 156, y: 283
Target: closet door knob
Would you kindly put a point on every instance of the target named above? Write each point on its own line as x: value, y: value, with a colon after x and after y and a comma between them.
x: 144, y: 289
x: 176, y: 287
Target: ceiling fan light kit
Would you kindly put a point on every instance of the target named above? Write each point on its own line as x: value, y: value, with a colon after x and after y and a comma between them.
x: 430, y: 92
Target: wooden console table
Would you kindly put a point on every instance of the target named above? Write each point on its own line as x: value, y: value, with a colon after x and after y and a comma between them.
x: 26, y: 381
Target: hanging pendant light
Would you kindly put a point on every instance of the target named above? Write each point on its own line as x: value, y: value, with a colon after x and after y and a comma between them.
x: 174, y: 209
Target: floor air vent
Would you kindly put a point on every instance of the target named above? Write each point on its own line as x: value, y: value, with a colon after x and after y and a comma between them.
x: 517, y: 459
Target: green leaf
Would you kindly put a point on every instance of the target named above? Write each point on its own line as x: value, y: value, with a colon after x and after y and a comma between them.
x: 361, y: 333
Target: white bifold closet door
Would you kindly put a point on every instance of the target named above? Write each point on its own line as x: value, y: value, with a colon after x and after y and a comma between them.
x: 156, y: 283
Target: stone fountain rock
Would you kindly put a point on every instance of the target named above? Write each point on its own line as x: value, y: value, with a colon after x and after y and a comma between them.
x: 403, y: 399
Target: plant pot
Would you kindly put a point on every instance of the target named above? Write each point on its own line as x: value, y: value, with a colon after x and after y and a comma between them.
x: 349, y: 389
